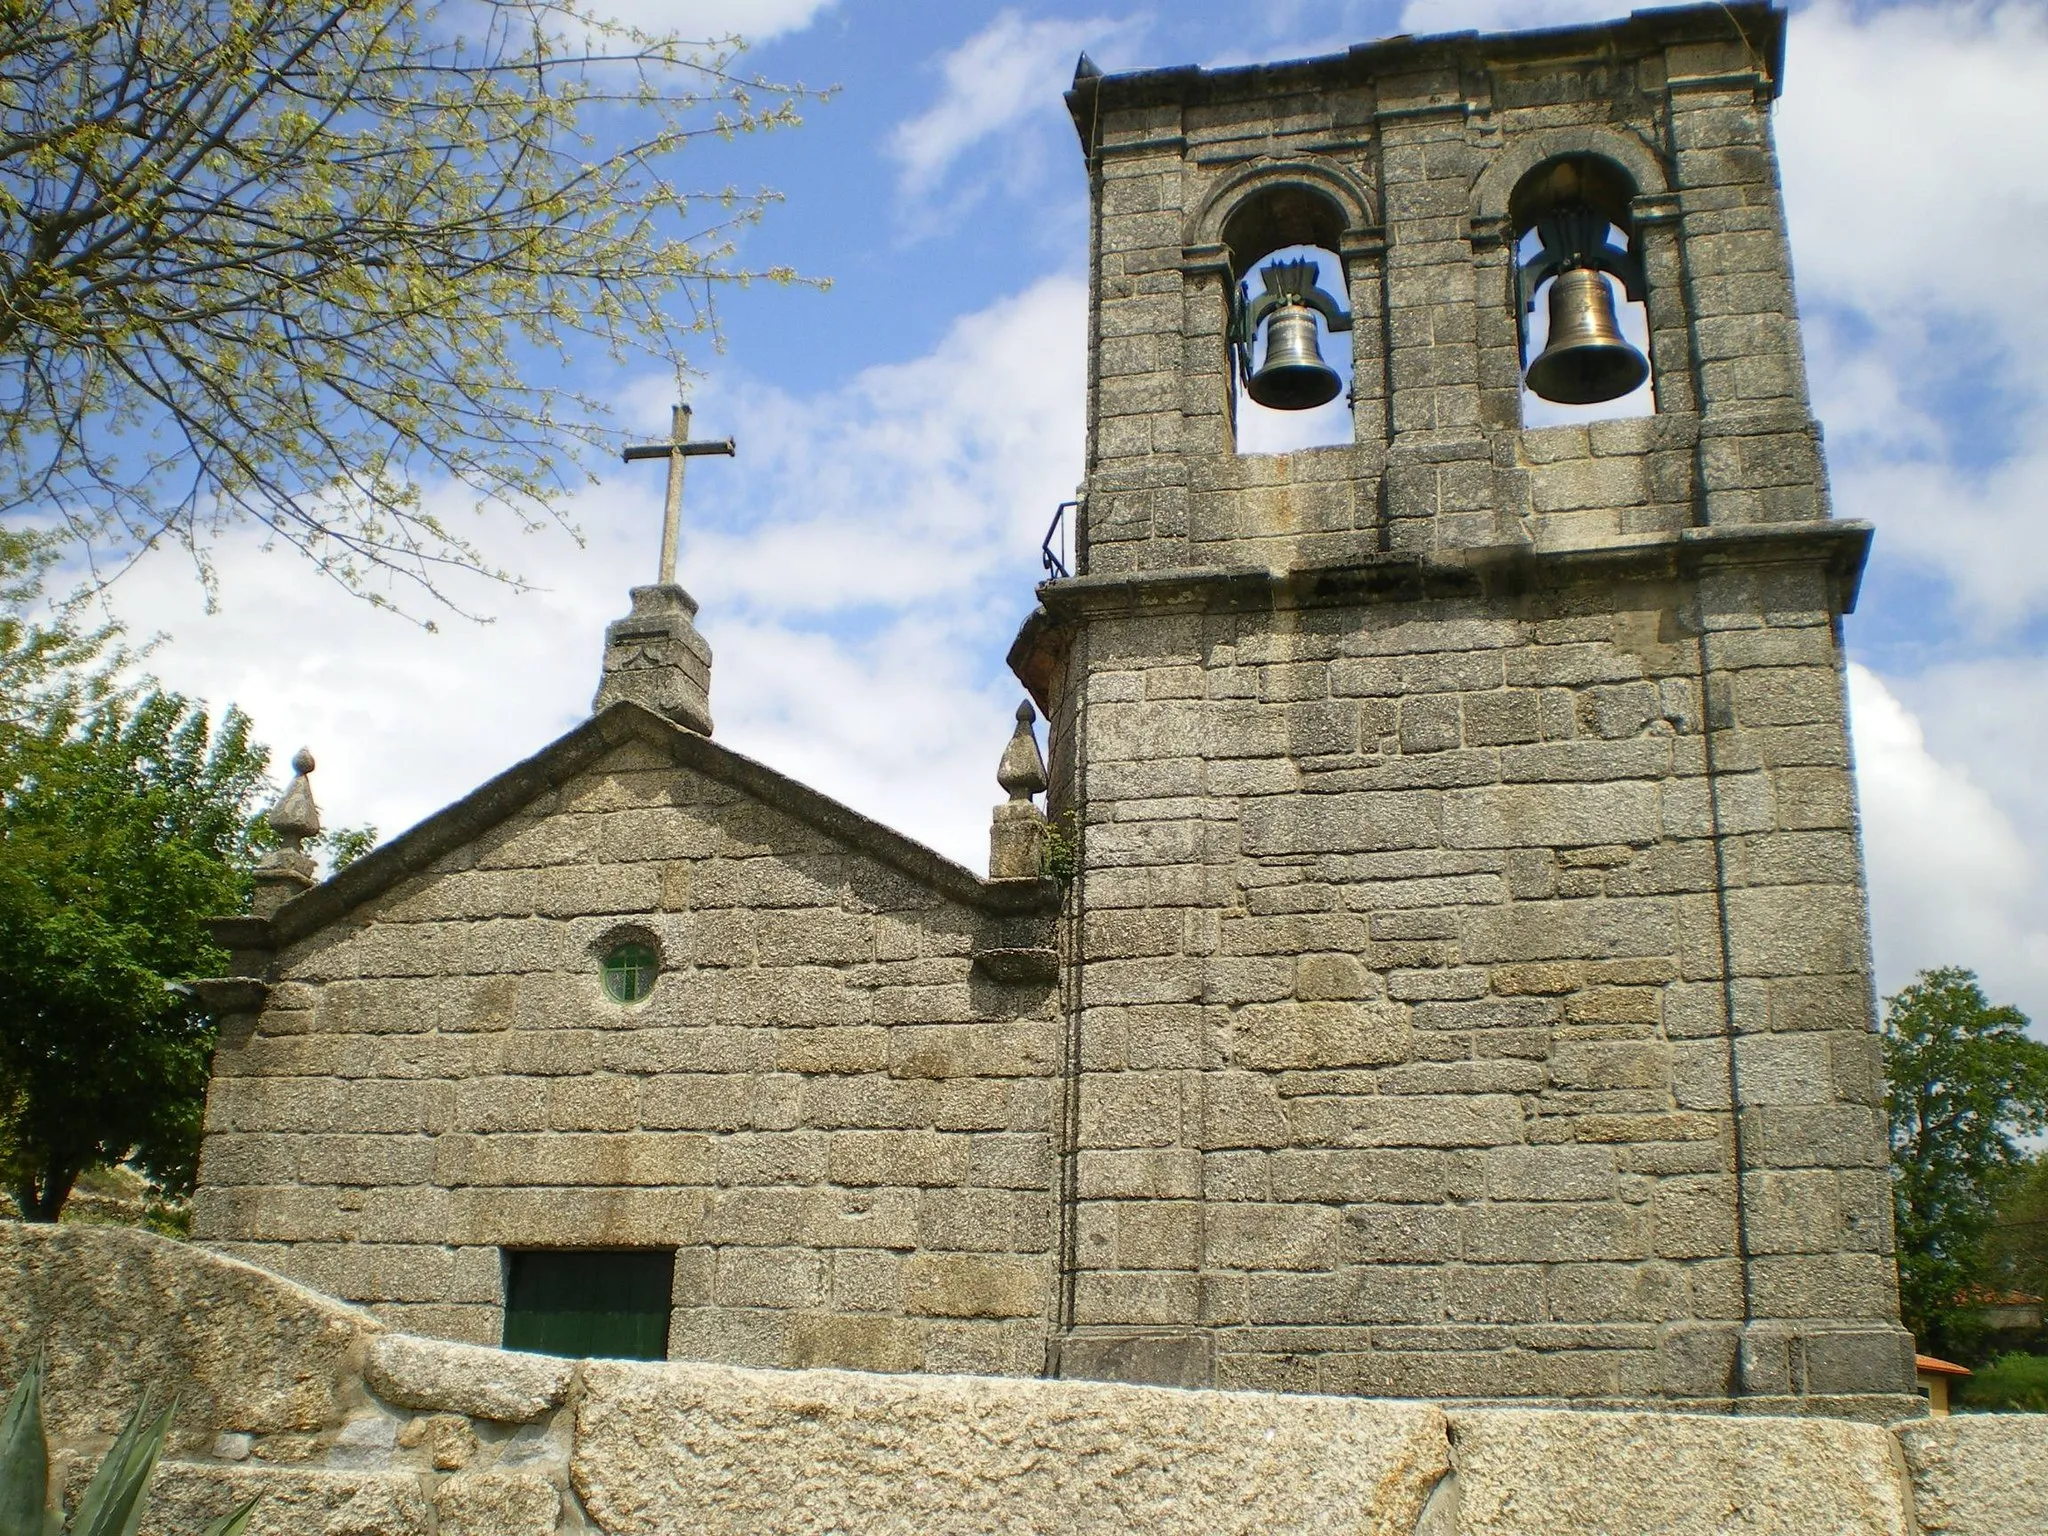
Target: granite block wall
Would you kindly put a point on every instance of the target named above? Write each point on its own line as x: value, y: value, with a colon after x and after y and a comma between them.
x: 1471, y: 989
x: 335, y: 1423
x: 1473, y: 1004
x: 1414, y: 148
x: 840, y: 1125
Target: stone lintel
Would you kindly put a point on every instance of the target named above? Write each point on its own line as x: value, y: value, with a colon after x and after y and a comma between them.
x: 1042, y: 642
x: 1841, y: 546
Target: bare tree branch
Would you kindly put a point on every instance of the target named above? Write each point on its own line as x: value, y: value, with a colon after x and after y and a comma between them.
x: 283, y: 262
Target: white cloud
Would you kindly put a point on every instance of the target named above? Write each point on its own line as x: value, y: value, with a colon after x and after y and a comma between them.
x: 860, y: 565
x: 1912, y: 143
x: 862, y: 610
x: 1978, y: 528
x: 1428, y: 16
x: 1953, y: 878
x: 755, y: 20
x: 1010, y: 70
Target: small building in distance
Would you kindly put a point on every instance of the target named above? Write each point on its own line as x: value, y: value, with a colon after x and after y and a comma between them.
x: 1932, y: 1377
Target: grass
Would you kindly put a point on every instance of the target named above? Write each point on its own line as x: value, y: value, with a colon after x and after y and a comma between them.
x: 2009, y: 1384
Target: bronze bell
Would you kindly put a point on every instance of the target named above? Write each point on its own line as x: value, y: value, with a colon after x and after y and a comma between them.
x: 1586, y: 359
x: 1294, y: 376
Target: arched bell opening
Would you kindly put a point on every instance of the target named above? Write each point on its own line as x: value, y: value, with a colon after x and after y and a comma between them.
x: 1289, y: 351
x: 1292, y: 366
x: 1579, y: 294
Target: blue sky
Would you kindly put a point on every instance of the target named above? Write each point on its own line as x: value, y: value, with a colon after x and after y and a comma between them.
x: 905, y: 436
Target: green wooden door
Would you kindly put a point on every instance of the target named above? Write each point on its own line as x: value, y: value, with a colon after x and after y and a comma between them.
x: 588, y: 1303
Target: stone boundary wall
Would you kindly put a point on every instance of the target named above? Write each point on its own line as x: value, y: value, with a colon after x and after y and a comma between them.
x: 349, y: 1429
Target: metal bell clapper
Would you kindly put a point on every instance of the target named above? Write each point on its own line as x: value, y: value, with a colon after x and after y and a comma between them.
x: 1585, y: 359
x: 1293, y: 376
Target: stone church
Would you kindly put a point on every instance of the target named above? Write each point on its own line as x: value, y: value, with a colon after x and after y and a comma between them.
x: 1455, y: 982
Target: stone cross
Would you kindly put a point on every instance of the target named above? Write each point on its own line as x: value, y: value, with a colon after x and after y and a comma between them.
x: 675, y: 450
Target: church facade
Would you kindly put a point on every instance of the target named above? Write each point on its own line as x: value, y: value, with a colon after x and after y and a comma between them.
x: 1457, y: 982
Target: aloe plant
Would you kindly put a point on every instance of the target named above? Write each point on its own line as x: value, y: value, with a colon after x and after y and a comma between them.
x: 116, y: 1498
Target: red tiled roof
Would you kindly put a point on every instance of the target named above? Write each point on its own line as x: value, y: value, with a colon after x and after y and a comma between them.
x: 1936, y: 1367
x: 1977, y: 1296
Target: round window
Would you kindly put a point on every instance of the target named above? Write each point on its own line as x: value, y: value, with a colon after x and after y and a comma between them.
x: 629, y: 970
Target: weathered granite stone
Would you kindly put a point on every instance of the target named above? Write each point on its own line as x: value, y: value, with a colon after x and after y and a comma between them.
x: 711, y: 1449
x: 1979, y: 1474
x: 242, y: 1350
x: 1466, y: 788
x: 186, y: 1497
x: 1537, y: 1472
x: 496, y: 1384
x: 827, y: 1100
x: 497, y: 1504
x: 1017, y: 834
x: 448, y: 1439
x: 655, y: 657
x: 661, y: 1448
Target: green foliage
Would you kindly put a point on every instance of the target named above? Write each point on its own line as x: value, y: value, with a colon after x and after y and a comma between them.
x: 44, y: 666
x: 2011, y: 1383
x: 122, y: 828
x: 289, y: 262
x: 1964, y: 1082
x: 25, y: 1458
x: 114, y: 1501
x: 342, y: 845
x: 1061, y: 858
x: 2019, y: 1236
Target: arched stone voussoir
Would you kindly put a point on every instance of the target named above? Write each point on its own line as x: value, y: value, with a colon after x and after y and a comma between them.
x: 1522, y: 154
x: 1349, y: 199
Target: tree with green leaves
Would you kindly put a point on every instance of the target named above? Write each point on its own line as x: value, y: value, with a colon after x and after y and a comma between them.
x: 1965, y: 1083
x: 122, y: 829
x: 126, y: 821
x: 45, y: 665
x: 301, y: 262
x: 2019, y: 1239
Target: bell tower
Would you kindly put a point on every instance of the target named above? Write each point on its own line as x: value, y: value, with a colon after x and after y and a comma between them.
x: 1467, y: 980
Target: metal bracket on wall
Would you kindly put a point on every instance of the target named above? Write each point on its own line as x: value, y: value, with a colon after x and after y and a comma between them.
x: 1051, y: 557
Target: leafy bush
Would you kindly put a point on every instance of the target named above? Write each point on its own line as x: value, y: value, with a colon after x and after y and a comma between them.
x: 2009, y: 1384
x: 114, y: 1499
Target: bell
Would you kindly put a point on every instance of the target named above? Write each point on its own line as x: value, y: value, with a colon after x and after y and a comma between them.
x: 1294, y: 376
x: 1586, y: 358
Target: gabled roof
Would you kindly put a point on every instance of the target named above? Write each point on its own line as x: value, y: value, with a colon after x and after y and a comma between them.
x: 561, y: 760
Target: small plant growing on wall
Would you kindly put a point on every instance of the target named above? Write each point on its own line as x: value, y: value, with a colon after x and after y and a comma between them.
x: 1062, y: 856
x: 115, y: 1499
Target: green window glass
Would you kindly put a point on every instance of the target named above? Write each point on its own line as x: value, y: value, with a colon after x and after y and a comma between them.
x: 629, y: 970
x: 588, y: 1303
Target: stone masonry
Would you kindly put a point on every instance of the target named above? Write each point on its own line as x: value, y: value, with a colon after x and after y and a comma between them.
x: 831, y: 1107
x: 1470, y: 993
x: 1461, y: 988
x: 339, y: 1426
